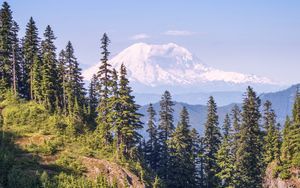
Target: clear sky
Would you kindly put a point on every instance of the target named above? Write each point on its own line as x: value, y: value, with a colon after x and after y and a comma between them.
x: 250, y: 36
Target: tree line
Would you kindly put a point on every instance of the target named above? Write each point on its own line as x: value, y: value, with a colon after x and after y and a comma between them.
x: 235, y: 154
x: 30, y: 69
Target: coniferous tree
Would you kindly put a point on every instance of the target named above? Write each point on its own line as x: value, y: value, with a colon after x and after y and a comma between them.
x: 74, y: 88
x: 181, y: 154
x: 225, y: 158
x: 104, y: 88
x: 249, y: 154
x: 6, y: 46
x: 212, y: 140
x: 62, y: 78
x: 49, y: 70
x: 165, y: 130
x: 286, y: 154
x: 152, y: 147
x: 37, y: 79
x: 272, y: 136
x: 93, y: 98
x: 294, y: 131
x: 128, y: 122
x: 197, y: 150
x: 236, y: 131
x: 16, y: 60
x: 31, y: 49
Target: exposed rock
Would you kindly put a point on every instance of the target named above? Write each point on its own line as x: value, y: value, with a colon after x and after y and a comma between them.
x: 113, y: 172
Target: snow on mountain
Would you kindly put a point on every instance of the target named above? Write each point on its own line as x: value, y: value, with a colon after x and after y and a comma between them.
x: 171, y: 64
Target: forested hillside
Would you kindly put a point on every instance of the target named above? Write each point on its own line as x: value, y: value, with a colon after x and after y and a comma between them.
x: 57, y: 133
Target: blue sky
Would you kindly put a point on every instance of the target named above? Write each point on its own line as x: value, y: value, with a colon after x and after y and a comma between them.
x: 249, y: 36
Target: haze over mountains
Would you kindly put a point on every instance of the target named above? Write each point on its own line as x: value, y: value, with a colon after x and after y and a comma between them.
x: 282, y: 103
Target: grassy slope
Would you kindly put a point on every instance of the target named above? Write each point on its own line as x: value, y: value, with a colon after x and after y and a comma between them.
x: 41, y: 142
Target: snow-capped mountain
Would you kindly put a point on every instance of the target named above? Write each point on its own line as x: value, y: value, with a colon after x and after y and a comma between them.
x: 173, y: 66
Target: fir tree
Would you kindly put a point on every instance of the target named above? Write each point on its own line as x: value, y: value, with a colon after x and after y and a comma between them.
x: 16, y: 60
x: 152, y: 153
x: 181, y: 153
x: 294, y: 132
x: 249, y: 154
x: 31, y: 49
x: 37, y: 79
x: 236, y: 132
x: 286, y: 154
x: 74, y: 86
x: 272, y: 136
x: 93, y: 97
x: 225, y: 158
x: 6, y: 46
x: 212, y: 140
x: 49, y: 70
x: 197, y: 150
x: 104, y: 89
x: 165, y: 130
x: 128, y: 122
x: 62, y: 78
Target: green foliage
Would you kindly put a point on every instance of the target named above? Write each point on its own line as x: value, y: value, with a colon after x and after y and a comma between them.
x: 249, y: 154
x: 19, y: 178
x: 212, y: 141
x: 72, y: 163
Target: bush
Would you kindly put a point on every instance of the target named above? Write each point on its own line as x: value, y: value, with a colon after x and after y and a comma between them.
x: 72, y: 163
x: 18, y: 178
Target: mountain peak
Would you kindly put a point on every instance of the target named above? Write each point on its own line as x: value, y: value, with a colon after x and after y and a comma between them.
x: 172, y: 65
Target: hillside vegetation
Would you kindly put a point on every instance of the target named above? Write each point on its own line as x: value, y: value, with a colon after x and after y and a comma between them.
x: 39, y: 149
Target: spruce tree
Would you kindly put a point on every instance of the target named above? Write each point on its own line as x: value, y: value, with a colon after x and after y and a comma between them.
x: 181, y: 154
x: 16, y: 60
x: 128, y: 122
x: 62, y: 78
x: 30, y: 49
x: 74, y: 86
x: 104, y: 89
x: 152, y: 147
x: 93, y: 98
x: 212, y: 140
x: 225, y: 158
x: 294, y: 132
x: 249, y: 154
x: 49, y: 70
x: 37, y: 79
x: 165, y: 129
x: 286, y: 154
x: 197, y: 150
x: 236, y: 132
x: 6, y: 46
x: 272, y: 136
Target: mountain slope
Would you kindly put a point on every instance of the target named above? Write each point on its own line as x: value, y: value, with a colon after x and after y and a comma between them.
x: 170, y: 65
x: 282, y: 102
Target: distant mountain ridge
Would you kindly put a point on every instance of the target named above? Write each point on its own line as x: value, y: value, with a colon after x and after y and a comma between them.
x: 282, y: 103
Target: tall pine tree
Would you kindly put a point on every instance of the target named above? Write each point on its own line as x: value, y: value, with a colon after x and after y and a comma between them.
x: 225, y: 156
x: 6, y: 45
x: 212, y: 141
x: 49, y: 70
x: 152, y: 147
x: 272, y: 134
x: 104, y: 88
x: 165, y: 130
x: 249, y: 154
x: 128, y: 122
x: 181, y: 154
x: 31, y: 49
